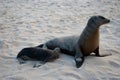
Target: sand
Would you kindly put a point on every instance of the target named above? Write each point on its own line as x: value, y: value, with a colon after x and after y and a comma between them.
x: 25, y: 23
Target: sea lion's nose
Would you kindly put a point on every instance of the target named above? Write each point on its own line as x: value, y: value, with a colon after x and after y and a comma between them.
x: 108, y: 20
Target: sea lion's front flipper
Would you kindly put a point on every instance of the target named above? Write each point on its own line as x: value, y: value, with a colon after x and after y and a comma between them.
x: 21, y: 61
x: 104, y: 55
x: 38, y: 64
x: 79, y: 58
x: 79, y: 61
x: 98, y: 54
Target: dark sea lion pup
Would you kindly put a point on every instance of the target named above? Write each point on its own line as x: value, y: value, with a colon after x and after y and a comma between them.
x: 37, y: 53
x: 82, y: 45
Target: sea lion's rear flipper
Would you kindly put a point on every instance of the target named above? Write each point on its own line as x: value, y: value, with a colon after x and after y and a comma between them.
x: 100, y: 55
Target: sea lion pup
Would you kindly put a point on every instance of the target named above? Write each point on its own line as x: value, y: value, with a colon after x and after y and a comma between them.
x: 82, y: 45
x: 37, y: 53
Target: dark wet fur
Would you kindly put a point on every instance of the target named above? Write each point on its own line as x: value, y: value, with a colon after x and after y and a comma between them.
x: 61, y: 50
x: 36, y: 53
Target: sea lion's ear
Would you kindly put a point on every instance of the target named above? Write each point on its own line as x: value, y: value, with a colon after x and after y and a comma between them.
x: 93, y: 21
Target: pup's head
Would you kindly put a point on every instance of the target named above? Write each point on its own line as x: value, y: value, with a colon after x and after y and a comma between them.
x: 55, y: 53
x: 98, y: 21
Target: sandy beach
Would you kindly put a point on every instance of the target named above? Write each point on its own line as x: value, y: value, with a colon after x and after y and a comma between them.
x: 26, y: 23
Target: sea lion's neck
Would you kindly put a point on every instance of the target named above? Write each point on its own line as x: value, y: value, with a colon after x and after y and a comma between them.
x: 91, y: 29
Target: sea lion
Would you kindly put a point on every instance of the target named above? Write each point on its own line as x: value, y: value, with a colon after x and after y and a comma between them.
x: 82, y: 45
x: 37, y: 53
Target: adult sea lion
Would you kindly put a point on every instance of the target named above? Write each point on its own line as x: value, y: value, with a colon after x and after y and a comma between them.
x: 37, y: 53
x: 82, y: 45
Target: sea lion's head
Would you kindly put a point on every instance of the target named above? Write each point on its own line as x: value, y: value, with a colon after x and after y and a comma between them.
x: 55, y: 53
x: 98, y: 21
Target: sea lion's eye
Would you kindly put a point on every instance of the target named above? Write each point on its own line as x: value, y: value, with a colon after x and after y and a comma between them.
x: 101, y: 17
